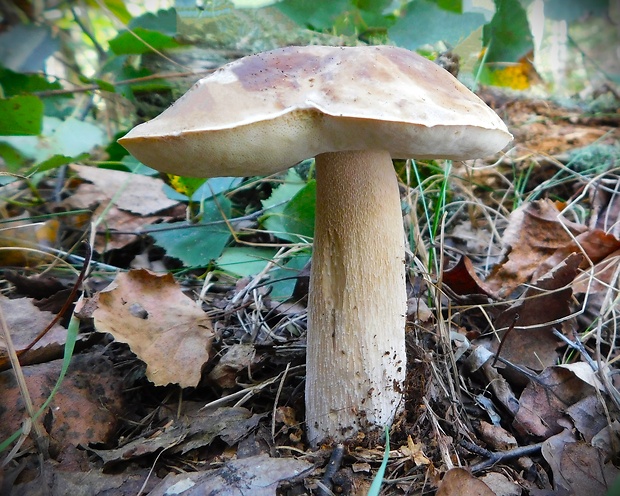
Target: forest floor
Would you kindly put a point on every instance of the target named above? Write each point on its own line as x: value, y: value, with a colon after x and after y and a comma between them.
x: 513, y: 349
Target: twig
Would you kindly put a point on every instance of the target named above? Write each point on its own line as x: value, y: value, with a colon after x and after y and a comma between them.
x: 577, y: 345
x: 494, y: 457
x: 275, y: 402
x: 250, y: 391
x: 325, y: 488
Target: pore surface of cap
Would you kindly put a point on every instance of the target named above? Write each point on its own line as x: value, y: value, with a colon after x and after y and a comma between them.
x: 265, y: 112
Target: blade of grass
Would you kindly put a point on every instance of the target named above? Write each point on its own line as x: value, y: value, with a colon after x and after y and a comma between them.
x: 375, y: 487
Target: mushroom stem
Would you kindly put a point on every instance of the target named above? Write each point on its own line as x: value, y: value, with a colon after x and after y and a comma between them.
x: 356, y: 313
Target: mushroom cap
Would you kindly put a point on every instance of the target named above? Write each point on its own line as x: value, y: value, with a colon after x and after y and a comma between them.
x: 266, y: 112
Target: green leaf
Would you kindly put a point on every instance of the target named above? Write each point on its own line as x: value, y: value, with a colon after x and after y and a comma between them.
x: 508, y: 35
x: 55, y: 162
x: 15, y: 83
x: 283, y: 279
x: 117, y: 7
x: 70, y: 137
x: 451, y: 5
x: 141, y: 41
x: 196, y: 245
x: 283, y: 193
x: 426, y: 23
x: 295, y: 222
x: 105, y: 85
x: 164, y: 21
x: 22, y: 115
x: 12, y: 158
x: 207, y: 189
x: 572, y: 10
x: 244, y: 261
x: 317, y: 15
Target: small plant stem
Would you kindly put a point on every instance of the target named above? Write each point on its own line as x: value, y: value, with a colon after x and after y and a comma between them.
x: 38, y: 434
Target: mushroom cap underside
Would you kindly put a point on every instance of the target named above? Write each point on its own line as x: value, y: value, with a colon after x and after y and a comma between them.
x: 265, y: 112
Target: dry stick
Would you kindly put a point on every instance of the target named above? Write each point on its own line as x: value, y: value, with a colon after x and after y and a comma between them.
x: 494, y: 457
x: 249, y: 391
x: 38, y: 435
x: 325, y: 488
x: 275, y: 402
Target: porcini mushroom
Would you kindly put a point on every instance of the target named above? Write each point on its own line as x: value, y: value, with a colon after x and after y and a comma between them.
x: 353, y: 109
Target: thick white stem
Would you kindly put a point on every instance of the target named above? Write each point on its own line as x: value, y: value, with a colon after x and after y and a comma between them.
x: 356, y: 312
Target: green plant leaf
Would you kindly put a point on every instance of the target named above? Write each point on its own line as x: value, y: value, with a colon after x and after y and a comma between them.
x: 117, y: 7
x: 144, y: 41
x: 15, y: 83
x: 284, y: 192
x: 425, y: 23
x: 508, y: 35
x: 55, y: 162
x: 572, y: 10
x: 163, y: 21
x: 196, y: 245
x: 317, y: 15
x: 244, y: 261
x: 295, y: 222
x: 451, y: 5
x: 12, y: 158
x: 70, y: 137
x: 284, y: 278
x: 22, y: 115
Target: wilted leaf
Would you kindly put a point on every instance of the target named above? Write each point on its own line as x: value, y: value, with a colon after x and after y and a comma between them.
x: 535, y: 233
x: 24, y: 243
x: 256, y: 475
x: 496, y: 436
x: 25, y: 321
x: 459, y: 482
x: 133, y: 192
x: 162, y: 326
x: 530, y: 342
x: 501, y: 485
x: 463, y: 280
x: 85, y: 409
x: 588, y: 415
x: 545, y: 400
x: 578, y: 468
x: 238, y: 357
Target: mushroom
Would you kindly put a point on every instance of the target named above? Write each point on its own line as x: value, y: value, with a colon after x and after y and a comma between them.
x: 353, y: 109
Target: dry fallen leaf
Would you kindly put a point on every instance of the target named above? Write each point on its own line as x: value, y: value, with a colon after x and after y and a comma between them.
x: 531, y: 342
x: 535, y: 232
x: 543, y: 403
x: 162, y: 326
x: 578, y: 467
x: 25, y: 321
x: 136, y: 193
x: 256, y: 475
x: 85, y: 409
x: 459, y: 482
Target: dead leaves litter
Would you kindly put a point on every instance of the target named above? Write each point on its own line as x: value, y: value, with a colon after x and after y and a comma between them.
x: 162, y: 326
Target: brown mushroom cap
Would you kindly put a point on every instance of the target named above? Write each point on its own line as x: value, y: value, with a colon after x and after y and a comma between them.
x: 266, y: 112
